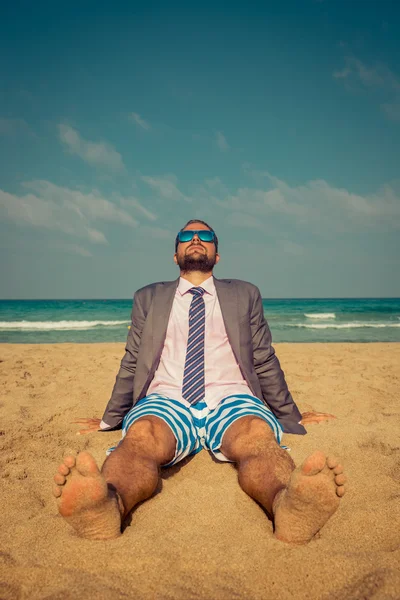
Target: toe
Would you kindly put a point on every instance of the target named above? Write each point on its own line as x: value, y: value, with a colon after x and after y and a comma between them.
x: 86, y: 464
x: 69, y: 461
x: 332, y: 462
x: 314, y: 463
x: 340, y: 479
x: 63, y: 469
x: 56, y: 491
x: 340, y: 490
x: 59, y: 479
x: 338, y: 469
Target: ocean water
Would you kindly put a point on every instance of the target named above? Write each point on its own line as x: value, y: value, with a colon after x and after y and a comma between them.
x: 305, y: 320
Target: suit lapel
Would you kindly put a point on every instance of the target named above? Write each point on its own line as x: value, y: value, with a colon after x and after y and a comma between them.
x: 162, y: 305
x: 228, y: 300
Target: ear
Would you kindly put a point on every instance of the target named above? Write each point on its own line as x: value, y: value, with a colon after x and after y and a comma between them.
x: 217, y: 257
x: 175, y: 259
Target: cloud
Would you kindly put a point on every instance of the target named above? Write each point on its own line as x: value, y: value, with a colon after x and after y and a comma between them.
x: 241, y: 219
x: 343, y: 73
x: 71, y: 249
x: 100, y: 154
x: 315, y: 206
x: 138, y: 120
x: 377, y: 74
x: 13, y: 127
x: 71, y: 211
x: 377, y: 77
x: 91, y: 205
x: 166, y: 186
x: 79, y: 250
x: 161, y: 233
x: 34, y: 211
x: 222, y: 142
x: 130, y: 201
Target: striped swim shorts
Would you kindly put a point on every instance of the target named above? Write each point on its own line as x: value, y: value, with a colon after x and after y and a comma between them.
x: 196, y: 426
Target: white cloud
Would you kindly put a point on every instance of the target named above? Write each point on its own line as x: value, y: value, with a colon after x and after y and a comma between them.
x: 35, y: 211
x: 138, y: 120
x: 315, y: 206
x: 130, y: 201
x: 99, y: 154
x: 378, y: 77
x: 166, y: 186
x: 369, y: 76
x: 79, y: 250
x: 241, y: 219
x: 73, y: 212
x: 161, y: 233
x: 216, y: 184
x: 91, y: 205
x: 221, y: 142
x: 71, y: 248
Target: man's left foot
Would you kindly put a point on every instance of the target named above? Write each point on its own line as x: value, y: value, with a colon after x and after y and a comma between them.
x: 309, y: 500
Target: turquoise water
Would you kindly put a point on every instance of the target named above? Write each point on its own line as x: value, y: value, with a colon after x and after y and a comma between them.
x: 290, y: 320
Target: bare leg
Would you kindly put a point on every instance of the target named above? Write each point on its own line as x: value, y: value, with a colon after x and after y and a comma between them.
x: 299, y: 501
x: 94, y: 503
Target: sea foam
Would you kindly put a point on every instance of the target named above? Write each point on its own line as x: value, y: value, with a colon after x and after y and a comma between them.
x: 56, y: 325
x: 320, y: 315
x: 353, y: 325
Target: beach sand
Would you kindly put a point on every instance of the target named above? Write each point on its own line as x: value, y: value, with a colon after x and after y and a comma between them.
x: 201, y: 537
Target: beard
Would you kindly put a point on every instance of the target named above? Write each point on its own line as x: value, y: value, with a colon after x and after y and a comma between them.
x: 196, y: 261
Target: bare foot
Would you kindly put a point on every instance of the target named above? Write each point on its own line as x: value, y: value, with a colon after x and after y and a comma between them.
x: 310, y: 499
x: 84, y: 499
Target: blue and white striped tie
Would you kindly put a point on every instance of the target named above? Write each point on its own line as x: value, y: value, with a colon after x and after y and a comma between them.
x: 193, y: 388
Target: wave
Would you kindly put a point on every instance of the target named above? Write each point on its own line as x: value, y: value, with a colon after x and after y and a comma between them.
x: 343, y: 325
x: 320, y: 315
x: 56, y: 325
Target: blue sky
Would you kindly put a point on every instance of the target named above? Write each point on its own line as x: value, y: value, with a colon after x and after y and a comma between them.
x: 276, y: 122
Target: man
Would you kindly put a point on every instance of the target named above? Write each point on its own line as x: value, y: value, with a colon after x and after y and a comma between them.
x: 199, y: 371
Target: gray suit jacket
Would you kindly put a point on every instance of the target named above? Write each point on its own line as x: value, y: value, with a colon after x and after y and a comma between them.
x: 248, y: 334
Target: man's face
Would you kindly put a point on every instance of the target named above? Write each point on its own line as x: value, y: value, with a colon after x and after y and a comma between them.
x: 196, y: 255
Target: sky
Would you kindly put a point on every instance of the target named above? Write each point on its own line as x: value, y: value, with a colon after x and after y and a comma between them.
x: 278, y: 123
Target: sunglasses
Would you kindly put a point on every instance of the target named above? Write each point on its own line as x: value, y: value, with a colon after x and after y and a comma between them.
x: 205, y: 235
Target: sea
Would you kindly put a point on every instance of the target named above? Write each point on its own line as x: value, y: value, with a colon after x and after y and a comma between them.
x: 290, y: 320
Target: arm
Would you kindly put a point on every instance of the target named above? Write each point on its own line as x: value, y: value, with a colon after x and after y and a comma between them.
x: 122, y: 395
x: 270, y: 375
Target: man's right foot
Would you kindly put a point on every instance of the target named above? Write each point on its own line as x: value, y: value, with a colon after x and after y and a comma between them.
x: 84, y: 499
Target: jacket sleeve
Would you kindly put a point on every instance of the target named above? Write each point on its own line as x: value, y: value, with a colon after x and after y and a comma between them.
x: 270, y: 375
x: 122, y: 395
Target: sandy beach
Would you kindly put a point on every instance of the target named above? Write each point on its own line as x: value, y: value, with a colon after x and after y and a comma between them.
x: 200, y: 536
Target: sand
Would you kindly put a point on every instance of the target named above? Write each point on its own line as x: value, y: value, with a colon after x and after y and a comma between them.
x: 200, y: 536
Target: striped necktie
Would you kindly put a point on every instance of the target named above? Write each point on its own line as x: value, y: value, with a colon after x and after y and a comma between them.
x: 193, y: 388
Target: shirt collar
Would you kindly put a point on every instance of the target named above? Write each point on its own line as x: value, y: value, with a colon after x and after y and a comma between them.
x: 208, y: 285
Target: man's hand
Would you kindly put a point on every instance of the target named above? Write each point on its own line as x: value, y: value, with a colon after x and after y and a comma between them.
x: 308, y: 418
x: 91, y: 425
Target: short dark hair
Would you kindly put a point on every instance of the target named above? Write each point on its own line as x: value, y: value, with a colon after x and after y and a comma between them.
x: 203, y: 223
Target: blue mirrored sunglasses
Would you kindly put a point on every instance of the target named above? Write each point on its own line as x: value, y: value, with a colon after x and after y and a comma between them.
x: 205, y: 235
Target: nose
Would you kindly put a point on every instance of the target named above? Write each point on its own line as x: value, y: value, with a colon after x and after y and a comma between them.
x: 196, y: 238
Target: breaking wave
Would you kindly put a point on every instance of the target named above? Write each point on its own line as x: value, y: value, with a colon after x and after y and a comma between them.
x: 320, y: 315
x: 343, y: 325
x: 56, y: 325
